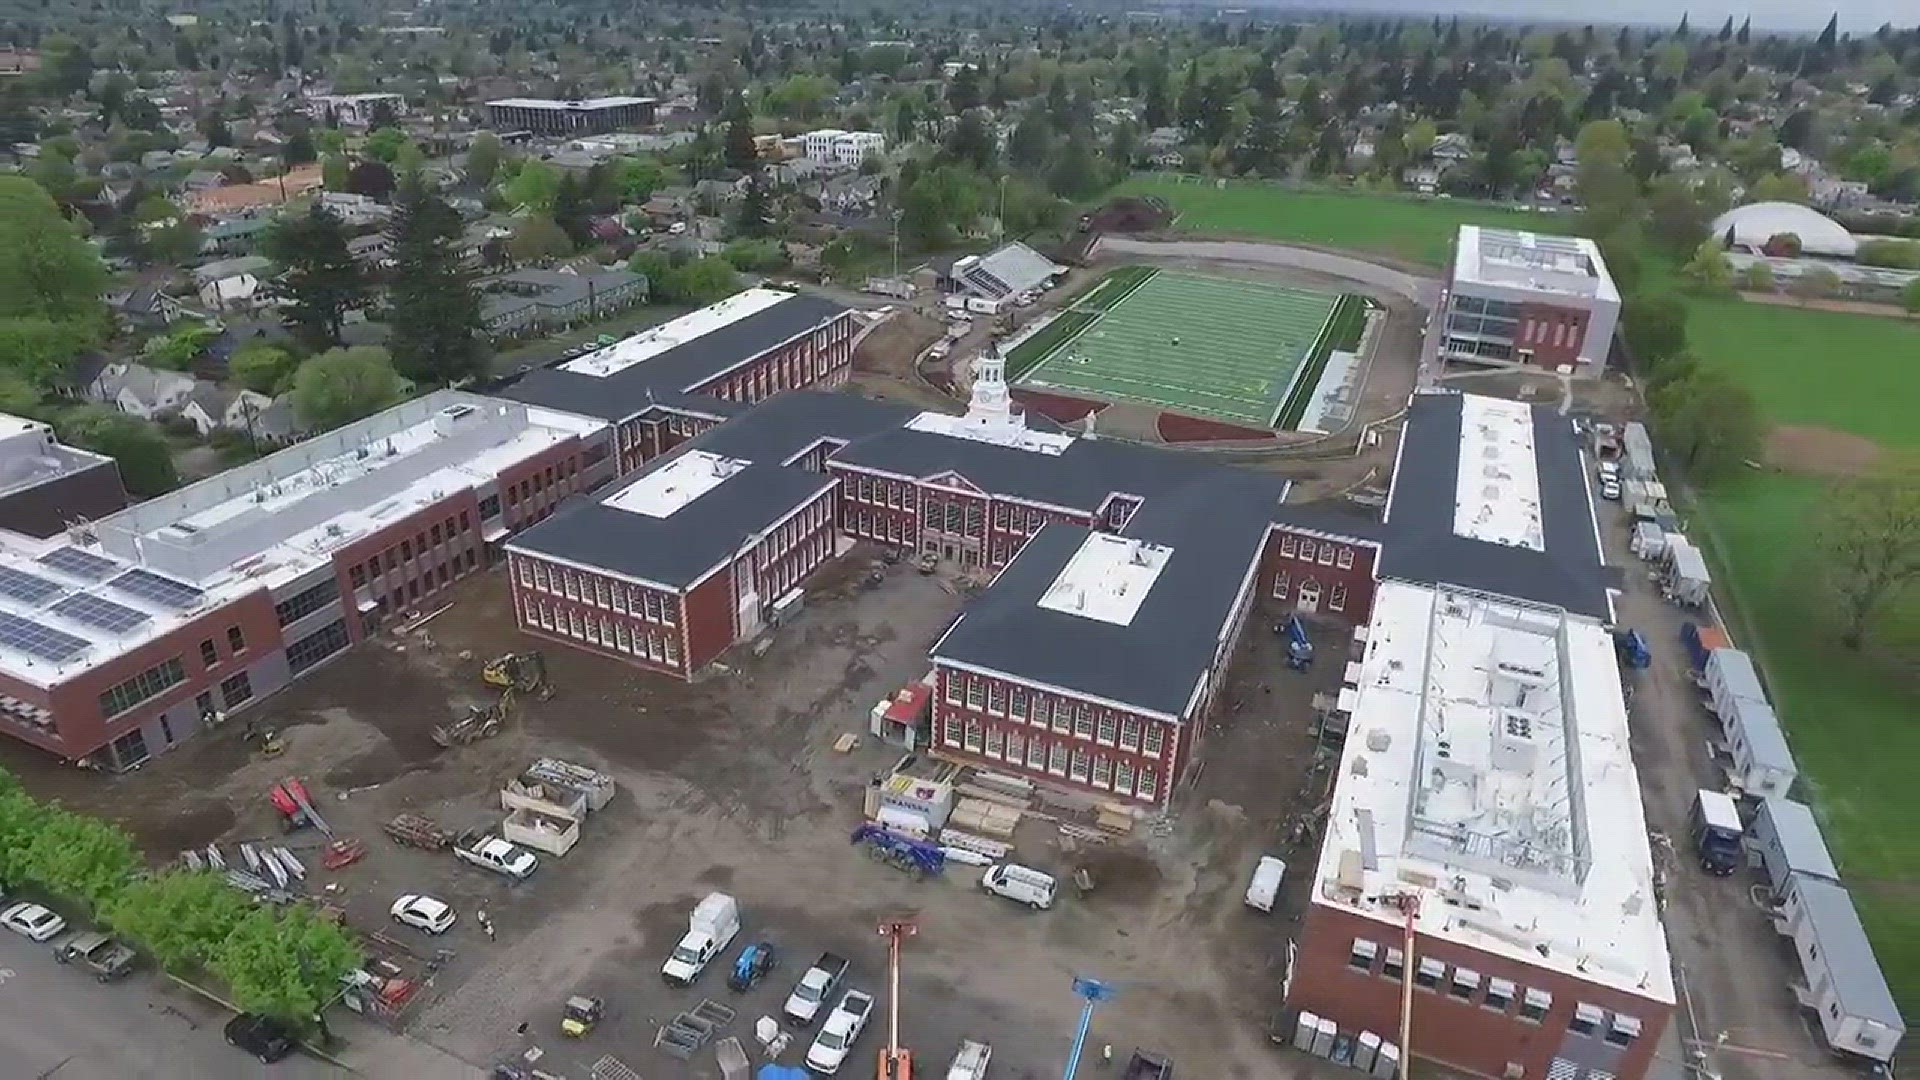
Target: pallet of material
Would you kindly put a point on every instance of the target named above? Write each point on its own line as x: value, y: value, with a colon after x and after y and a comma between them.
x: 994, y: 795
x: 1113, y: 819
x: 1013, y: 786
x: 966, y: 841
x: 981, y: 816
x: 1084, y: 832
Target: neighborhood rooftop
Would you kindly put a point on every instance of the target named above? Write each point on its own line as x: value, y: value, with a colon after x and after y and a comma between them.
x: 1488, y: 770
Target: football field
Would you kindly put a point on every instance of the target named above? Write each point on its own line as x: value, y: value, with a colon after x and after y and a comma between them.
x: 1210, y: 346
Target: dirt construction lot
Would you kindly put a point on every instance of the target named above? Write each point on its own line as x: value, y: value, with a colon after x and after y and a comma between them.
x: 734, y: 784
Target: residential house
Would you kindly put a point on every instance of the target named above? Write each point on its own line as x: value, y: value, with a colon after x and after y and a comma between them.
x: 210, y: 407
x: 138, y: 390
x: 203, y: 180
x: 145, y: 308
x: 372, y: 250
x: 1451, y: 149
x: 208, y: 273
x: 851, y: 195
x: 719, y: 192
x: 278, y: 424
x: 235, y: 292
x: 234, y: 236
x: 1424, y: 179
x: 668, y: 205
x: 529, y: 301
x: 355, y: 211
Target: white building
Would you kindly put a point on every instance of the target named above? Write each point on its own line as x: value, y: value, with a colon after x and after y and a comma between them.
x: 1523, y: 299
x: 836, y: 147
x: 354, y: 110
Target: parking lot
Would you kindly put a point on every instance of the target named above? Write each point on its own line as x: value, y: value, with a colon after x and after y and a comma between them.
x: 734, y: 784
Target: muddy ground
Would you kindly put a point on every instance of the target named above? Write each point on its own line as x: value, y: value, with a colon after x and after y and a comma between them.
x: 733, y: 783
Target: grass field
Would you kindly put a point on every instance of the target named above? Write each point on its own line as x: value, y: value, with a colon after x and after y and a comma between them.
x: 1416, y: 229
x: 1209, y: 346
x: 1849, y: 717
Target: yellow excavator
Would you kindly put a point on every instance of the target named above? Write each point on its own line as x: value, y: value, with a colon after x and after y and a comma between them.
x: 522, y: 672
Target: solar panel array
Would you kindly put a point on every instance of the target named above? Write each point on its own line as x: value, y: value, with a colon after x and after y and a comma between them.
x: 24, y: 586
x: 80, y: 563
x: 36, y: 639
x: 103, y: 613
x: 164, y: 591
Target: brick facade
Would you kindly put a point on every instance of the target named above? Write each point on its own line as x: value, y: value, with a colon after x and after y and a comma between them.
x: 1472, y: 1011
x: 1552, y: 334
x: 1022, y: 729
x: 1319, y: 574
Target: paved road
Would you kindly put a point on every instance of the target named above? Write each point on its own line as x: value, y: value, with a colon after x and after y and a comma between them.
x: 1421, y: 290
x: 57, y: 1023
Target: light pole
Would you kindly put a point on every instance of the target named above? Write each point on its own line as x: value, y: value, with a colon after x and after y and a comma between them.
x: 896, y: 244
x: 1095, y: 992
x: 1002, y: 220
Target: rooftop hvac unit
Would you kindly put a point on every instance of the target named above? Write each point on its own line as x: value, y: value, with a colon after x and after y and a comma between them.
x: 1514, y: 746
x: 1366, y: 1051
x: 1324, y: 1036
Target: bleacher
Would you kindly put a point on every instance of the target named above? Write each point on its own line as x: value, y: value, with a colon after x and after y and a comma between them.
x: 1004, y: 271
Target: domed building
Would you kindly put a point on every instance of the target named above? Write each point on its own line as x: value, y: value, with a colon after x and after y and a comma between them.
x: 1748, y: 228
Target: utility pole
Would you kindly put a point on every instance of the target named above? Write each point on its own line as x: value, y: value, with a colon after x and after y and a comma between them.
x: 896, y: 244
x: 1095, y: 992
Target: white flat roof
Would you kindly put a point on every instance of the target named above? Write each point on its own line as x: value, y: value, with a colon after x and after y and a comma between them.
x: 1107, y: 579
x: 675, y: 484
x: 582, y: 103
x: 654, y: 341
x: 1568, y: 265
x: 1487, y: 770
x: 1497, y: 489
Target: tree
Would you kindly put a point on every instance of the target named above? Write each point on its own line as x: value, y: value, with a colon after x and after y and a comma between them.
x: 384, y: 144
x: 963, y: 93
x: 262, y: 368
x: 638, y: 179
x: 49, y: 271
x: 1031, y: 143
x: 1869, y: 545
x: 1603, y: 141
x: 483, y: 158
x: 570, y: 211
x: 972, y: 142
x: 1420, y: 138
x: 1076, y: 175
x: 1710, y: 420
x: 299, y: 149
x: 167, y: 235
x: 1709, y: 268
x: 372, y: 179
x: 738, y: 149
x: 433, y: 305
x: 334, y: 172
x: 534, y: 186
x: 322, y: 281
x: 285, y: 963
x: 181, y: 917
x: 1910, y: 297
x: 1655, y: 326
x: 1818, y: 283
x: 146, y: 465
x: 80, y: 859
x: 1677, y: 217
x: 41, y: 350
x: 938, y: 204
x: 537, y: 238
x: 1758, y: 277
x: 410, y: 160
x: 756, y: 216
x: 705, y: 281
x: 1779, y: 187
x: 342, y: 385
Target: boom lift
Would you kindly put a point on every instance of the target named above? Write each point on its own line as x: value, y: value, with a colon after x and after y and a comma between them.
x: 896, y: 1061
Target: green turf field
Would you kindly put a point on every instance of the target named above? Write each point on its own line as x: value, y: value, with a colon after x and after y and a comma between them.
x: 1209, y: 346
x: 1416, y: 229
x: 1848, y: 716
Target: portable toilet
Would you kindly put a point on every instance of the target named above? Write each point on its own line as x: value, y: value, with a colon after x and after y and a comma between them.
x: 1323, y: 1038
x: 1305, y: 1027
x: 1365, y: 1050
x: 1386, y: 1066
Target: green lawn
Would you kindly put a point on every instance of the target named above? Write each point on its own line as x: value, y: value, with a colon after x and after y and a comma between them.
x: 1855, y: 373
x: 1210, y: 346
x: 1416, y: 229
x: 1850, y: 718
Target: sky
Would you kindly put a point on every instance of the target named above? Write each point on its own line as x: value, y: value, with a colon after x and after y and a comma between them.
x: 1859, y: 16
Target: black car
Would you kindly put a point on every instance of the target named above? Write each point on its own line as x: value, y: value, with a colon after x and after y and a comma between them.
x: 262, y: 1036
x: 755, y: 961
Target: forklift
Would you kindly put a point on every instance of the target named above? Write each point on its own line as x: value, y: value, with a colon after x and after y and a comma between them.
x: 580, y: 1015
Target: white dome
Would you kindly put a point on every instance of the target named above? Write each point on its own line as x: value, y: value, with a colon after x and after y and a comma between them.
x: 1754, y: 223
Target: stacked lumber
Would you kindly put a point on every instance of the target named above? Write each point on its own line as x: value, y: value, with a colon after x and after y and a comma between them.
x: 980, y: 816
x: 1113, y: 819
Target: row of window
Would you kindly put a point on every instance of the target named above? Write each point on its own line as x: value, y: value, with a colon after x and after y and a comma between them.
x: 786, y: 371
x: 1063, y: 715
x: 878, y: 525
x: 424, y: 541
x: 1505, y: 309
x: 1473, y: 324
x: 899, y: 494
x: 686, y: 427
x: 317, y: 646
x: 1491, y: 350
x: 1310, y: 591
x: 1324, y: 552
x: 1024, y: 520
x: 236, y: 642
x: 541, y: 484
x: 410, y: 591
x: 657, y: 645
x: 786, y: 572
x: 958, y: 517
x: 789, y: 535
x: 145, y: 686
x: 307, y: 601
x: 1492, y: 993
x: 1565, y: 333
x: 1057, y: 757
x: 615, y: 596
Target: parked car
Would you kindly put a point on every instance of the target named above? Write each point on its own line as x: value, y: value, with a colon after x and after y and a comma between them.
x: 424, y: 913
x: 1610, y: 490
x: 838, y: 1034
x: 33, y: 921
x: 755, y: 961
x: 98, y: 953
x: 1020, y: 883
x: 264, y: 1037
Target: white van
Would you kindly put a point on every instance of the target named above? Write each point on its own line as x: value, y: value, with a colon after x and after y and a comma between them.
x: 1020, y: 883
x: 1264, y: 889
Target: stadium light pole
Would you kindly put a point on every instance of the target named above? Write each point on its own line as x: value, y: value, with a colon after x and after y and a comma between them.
x: 1095, y: 992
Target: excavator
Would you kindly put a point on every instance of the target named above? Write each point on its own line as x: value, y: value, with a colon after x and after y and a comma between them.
x: 521, y: 672
x: 896, y: 1061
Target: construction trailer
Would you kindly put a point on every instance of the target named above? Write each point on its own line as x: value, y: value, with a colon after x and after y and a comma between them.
x: 1730, y: 677
x: 1649, y: 541
x: 1787, y: 840
x: 1762, y: 763
x: 1637, y: 459
x: 1687, y: 579
x: 1843, y: 983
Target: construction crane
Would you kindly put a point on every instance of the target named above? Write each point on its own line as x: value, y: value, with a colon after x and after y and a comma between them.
x: 1095, y: 992
x: 896, y: 1061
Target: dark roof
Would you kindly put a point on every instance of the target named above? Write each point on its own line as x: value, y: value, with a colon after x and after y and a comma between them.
x: 785, y: 424
x: 1216, y: 523
x: 1422, y: 545
x: 632, y: 391
x: 677, y: 550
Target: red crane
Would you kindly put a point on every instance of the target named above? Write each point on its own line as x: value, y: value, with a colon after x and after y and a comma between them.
x: 896, y: 1061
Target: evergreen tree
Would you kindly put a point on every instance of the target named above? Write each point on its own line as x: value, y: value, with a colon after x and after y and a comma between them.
x: 433, y: 305
x: 322, y: 282
x: 571, y: 212
x: 1830, y: 36
x: 963, y: 92
x: 756, y: 215
x: 1745, y: 32
x: 740, y: 153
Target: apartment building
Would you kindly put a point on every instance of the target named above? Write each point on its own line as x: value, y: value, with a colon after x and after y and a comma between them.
x: 588, y: 116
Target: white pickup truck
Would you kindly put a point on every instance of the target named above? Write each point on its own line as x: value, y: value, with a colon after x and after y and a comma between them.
x: 710, y: 929
x: 490, y: 851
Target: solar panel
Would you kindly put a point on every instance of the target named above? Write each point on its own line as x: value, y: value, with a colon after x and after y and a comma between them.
x: 80, y: 563
x: 37, y: 640
x: 165, y: 591
x: 24, y: 586
x: 95, y: 611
